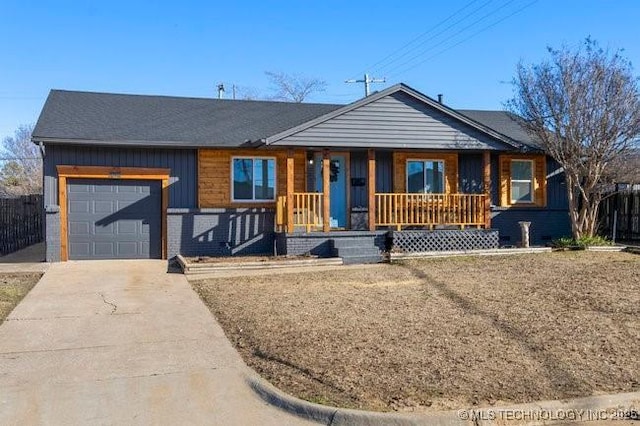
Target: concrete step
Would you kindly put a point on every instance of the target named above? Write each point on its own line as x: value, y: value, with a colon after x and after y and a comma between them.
x: 352, y: 260
x: 353, y: 242
x: 355, y: 251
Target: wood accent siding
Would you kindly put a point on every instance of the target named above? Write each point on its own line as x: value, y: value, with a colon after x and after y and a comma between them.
x: 400, y: 168
x: 371, y: 188
x: 326, y: 190
x: 394, y: 121
x: 539, y: 179
x: 214, y: 175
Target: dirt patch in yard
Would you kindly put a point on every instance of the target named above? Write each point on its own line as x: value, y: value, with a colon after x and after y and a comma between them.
x: 441, y: 333
x: 13, y: 288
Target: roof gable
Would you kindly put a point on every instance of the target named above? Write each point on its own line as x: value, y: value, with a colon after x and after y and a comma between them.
x: 398, y: 117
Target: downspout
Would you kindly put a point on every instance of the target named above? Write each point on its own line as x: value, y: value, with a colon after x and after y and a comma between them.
x: 44, y: 210
x: 43, y: 152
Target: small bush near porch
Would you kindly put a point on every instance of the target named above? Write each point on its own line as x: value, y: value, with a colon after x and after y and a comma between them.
x: 441, y: 333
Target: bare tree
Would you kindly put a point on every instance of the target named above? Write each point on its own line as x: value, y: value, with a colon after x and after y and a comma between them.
x: 247, y: 93
x: 627, y: 168
x: 583, y: 106
x: 20, y: 164
x: 294, y: 87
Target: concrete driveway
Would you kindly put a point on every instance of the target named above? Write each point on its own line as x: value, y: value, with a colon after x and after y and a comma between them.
x: 121, y: 342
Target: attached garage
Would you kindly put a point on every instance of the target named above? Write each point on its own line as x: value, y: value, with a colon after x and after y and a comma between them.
x: 112, y: 212
x: 114, y: 219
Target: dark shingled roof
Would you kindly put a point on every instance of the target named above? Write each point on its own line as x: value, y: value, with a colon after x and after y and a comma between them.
x: 105, y: 118
x: 70, y: 116
x: 502, y: 122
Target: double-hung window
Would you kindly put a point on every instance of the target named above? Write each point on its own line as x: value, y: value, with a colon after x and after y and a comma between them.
x: 254, y: 179
x: 425, y: 176
x: 521, y: 181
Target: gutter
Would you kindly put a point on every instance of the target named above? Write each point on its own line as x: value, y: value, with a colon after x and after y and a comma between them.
x: 128, y: 143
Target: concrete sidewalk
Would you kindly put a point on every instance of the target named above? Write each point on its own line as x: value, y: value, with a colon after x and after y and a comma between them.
x: 122, y: 342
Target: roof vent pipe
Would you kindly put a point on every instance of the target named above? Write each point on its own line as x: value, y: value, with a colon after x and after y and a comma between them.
x: 440, y: 98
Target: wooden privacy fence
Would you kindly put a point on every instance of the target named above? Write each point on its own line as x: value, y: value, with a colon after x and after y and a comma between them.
x: 621, y: 211
x: 20, y: 222
x: 430, y: 209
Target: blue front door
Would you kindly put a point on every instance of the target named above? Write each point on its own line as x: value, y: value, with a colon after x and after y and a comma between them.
x: 338, y: 188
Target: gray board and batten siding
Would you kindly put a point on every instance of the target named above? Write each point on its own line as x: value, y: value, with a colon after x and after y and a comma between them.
x: 183, y: 181
x: 397, y: 121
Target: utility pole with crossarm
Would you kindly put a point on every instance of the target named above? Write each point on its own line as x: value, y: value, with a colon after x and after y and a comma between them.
x: 367, y: 81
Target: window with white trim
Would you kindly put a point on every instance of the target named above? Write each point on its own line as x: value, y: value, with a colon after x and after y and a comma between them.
x: 522, y: 181
x: 254, y: 179
x: 425, y: 176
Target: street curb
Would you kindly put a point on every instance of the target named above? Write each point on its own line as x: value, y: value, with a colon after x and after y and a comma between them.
x: 547, y: 412
x: 335, y: 416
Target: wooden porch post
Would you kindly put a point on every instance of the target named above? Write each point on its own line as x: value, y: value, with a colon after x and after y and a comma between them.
x: 326, y: 189
x: 486, y: 162
x: 371, y: 154
x: 290, y: 182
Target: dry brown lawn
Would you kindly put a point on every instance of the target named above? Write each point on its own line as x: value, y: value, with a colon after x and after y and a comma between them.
x: 441, y: 333
x: 13, y: 288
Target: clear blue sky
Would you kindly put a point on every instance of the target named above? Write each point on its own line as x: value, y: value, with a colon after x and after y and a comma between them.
x: 186, y: 48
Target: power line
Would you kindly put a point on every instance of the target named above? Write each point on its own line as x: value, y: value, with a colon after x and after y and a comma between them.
x: 417, y: 38
x: 467, y: 38
x: 441, y: 42
x: 444, y: 30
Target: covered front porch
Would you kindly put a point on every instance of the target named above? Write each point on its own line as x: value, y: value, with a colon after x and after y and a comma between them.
x: 368, y: 190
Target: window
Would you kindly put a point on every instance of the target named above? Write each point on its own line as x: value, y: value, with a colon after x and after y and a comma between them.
x: 521, y: 181
x: 254, y: 179
x: 426, y: 176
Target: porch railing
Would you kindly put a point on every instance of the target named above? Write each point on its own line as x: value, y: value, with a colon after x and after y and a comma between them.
x: 307, y: 211
x: 430, y: 210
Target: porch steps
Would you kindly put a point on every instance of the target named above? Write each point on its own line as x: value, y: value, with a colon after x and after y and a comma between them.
x: 353, y: 250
